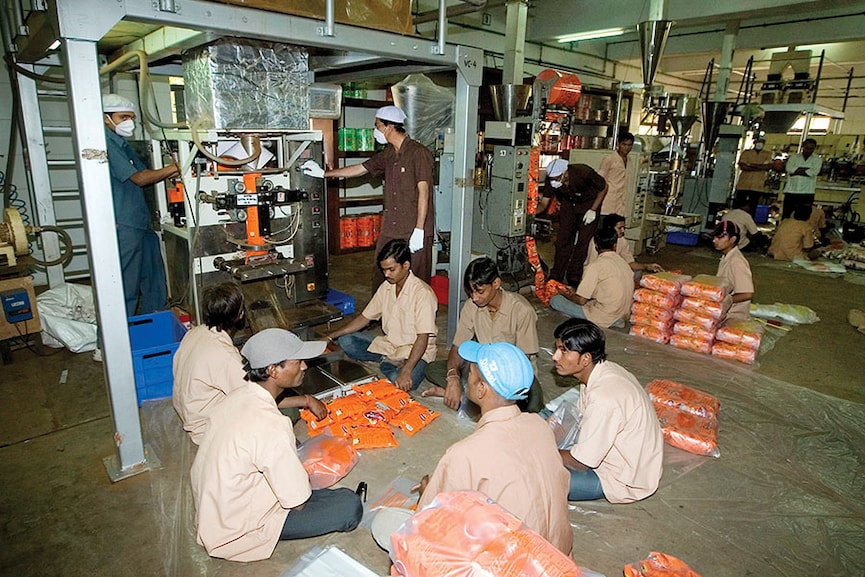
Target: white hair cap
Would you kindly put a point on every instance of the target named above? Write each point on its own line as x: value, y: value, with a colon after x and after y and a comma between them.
x: 557, y: 167
x: 116, y: 103
x: 391, y: 114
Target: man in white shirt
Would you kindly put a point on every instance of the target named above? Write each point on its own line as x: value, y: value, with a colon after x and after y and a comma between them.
x: 802, y: 170
x: 614, y: 169
x: 750, y: 233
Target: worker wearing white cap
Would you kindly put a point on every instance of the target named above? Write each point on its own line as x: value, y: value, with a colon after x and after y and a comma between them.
x: 407, y: 167
x: 140, y: 258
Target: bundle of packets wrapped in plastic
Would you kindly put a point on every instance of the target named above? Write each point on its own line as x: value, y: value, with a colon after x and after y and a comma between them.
x: 660, y: 565
x: 688, y: 417
x: 687, y: 312
x: 463, y: 533
x: 365, y: 417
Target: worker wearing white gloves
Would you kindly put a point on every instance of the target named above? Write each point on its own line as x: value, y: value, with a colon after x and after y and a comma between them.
x: 407, y: 167
x: 580, y: 190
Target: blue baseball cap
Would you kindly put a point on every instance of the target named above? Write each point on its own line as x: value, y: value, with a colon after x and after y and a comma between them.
x: 504, y: 367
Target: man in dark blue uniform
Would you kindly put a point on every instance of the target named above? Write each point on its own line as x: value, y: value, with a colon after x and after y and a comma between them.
x: 140, y: 258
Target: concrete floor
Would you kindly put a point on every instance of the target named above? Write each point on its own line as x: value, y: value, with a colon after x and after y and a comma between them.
x: 784, y: 498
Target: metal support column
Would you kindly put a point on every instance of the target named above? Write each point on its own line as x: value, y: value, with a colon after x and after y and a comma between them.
x: 469, y: 72
x: 40, y: 181
x: 85, y: 110
x: 728, y: 48
x: 515, y: 42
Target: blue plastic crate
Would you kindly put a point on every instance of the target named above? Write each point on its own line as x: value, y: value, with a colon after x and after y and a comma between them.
x: 154, y: 339
x: 683, y: 238
x: 341, y: 300
x: 761, y: 215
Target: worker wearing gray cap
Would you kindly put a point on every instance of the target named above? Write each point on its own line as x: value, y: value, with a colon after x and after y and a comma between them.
x: 407, y: 167
x: 249, y: 486
x: 140, y: 258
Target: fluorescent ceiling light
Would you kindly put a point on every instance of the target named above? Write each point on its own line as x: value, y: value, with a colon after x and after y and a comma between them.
x: 54, y: 45
x: 605, y: 33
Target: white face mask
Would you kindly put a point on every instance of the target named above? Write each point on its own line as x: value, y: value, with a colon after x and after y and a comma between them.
x: 125, y: 128
x: 758, y: 146
x: 379, y: 136
x: 556, y: 183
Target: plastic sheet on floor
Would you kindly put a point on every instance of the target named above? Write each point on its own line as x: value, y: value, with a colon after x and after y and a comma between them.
x: 784, y: 498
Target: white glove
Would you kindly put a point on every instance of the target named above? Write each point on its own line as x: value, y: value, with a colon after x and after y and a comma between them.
x: 311, y: 168
x: 415, y: 243
x: 590, y: 217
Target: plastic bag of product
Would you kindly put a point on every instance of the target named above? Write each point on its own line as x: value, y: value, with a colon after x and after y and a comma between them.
x: 660, y: 324
x: 696, y: 317
x: 793, y: 314
x: 551, y: 289
x: 649, y: 310
x: 741, y: 353
x: 683, y: 398
x: 315, y: 426
x: 565, y: 423
x: 365, y: 436
x: 413, y: 418
x: 326, y: 459
x: 465, y: 534
x: 68, y: 317
x: 658, y: 299
x: 664, y: 282
x: 716, y: 310
x: 693, y: 330
x: 708, y: 287
x: 346, y: 407
x: 376, y: 389
x: 741, y: 333
x: 660, y: 565
x: 428, y: 107
x: 687, y: 431
x: 648, y: 332
x: 691, y: 343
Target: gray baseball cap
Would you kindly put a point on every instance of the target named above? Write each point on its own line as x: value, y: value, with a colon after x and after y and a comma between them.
x: 272, y: 346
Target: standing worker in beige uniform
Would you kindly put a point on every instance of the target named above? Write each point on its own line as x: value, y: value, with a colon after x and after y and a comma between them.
x: 511, y: 457
x: 408, y: 167
x: 754, y: 164
x: 248, y: 484
x: 490, y: 315
x: 614, y: 169
x: 734, y: 268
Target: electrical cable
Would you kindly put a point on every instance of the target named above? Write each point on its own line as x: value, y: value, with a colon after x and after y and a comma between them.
x: 65, y: 258
x: 23, y: 338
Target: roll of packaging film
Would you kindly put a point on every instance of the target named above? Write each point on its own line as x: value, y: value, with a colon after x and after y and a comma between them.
x: 566, y: 89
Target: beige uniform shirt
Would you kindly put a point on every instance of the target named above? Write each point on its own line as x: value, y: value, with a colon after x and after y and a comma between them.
x: 745, y: 223
x: 754, y: 180
x: 609, y: 283
x: 623, y: 249
x: 403, y: 318
x: 246, y: 477
x: 615, y: 172
x: 512, y: 458
x: 620, y: 437
x: 734, y: 267
x: 207, y: 366
x: 515, y: 322
x: 791, y: 239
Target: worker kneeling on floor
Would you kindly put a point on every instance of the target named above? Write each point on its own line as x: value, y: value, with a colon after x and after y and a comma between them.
x: 249, y: 486
x: 620, y: 450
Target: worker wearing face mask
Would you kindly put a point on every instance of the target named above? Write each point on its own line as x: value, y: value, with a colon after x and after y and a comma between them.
x: 407, y: 167
x: 140, y: 258
x: 754, y: 164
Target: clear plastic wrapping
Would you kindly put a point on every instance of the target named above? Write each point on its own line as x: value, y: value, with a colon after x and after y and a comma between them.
x: 235, y: 83
x: 689, y: 432
x: 741, y: 353
x: 326, y: 459
x: 657, y: 299
x: 716, y: 310
x: 650, y: 321
x: 748, y: 334
x: 565, y: 423
x: 659, y: 565
x: 695, y: 316
x: 429, y: 108
x: 691, y: 343
x: 683, y: 398
x: 694, y: 330
x: 649, y: 332
x: 650, y: 310
x: 664, y: 282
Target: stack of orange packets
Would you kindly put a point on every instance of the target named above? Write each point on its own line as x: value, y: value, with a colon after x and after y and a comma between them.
x: 688, y: 417
x: 364, y: 417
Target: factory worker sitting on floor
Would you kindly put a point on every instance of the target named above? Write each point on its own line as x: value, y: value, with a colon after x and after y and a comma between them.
x: 606, y: 290
x: 620, y: 450
x: 622, y: 248
x: 407, y: 308
x: 490, y: 315
x: 511, y: 456
x: 794, y: 236
x: 248, y: 484
x: 735, y: 269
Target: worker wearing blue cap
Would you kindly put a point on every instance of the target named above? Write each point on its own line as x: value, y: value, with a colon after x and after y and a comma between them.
x: 511, y: 456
